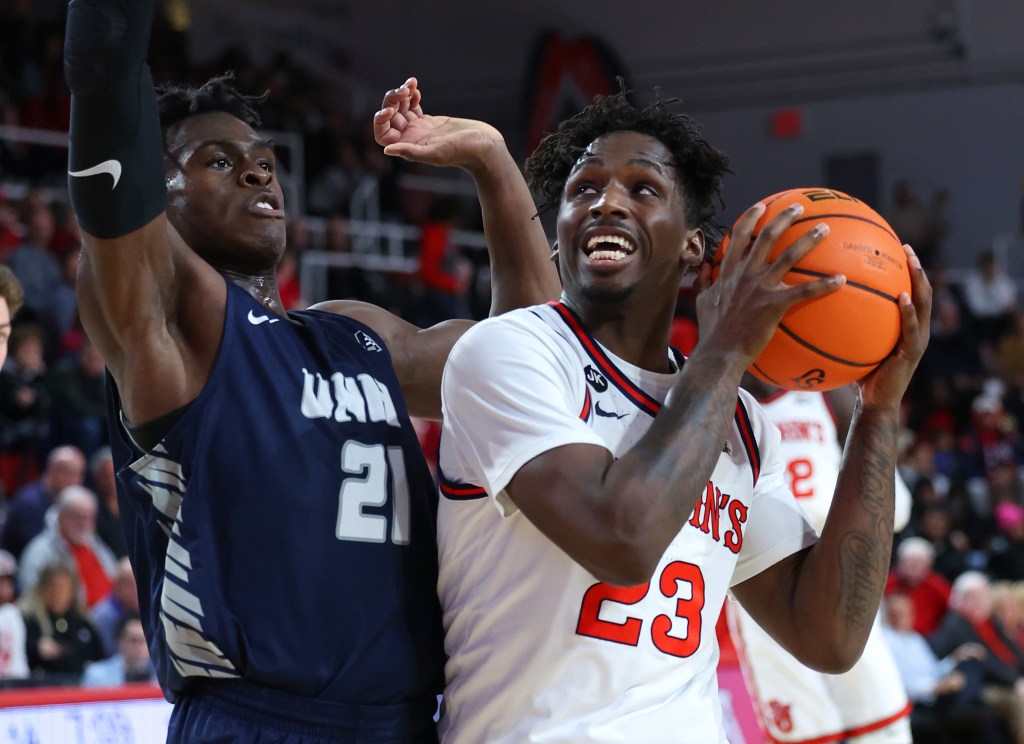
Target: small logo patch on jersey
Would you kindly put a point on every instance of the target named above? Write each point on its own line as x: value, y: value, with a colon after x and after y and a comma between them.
x: 726, y: 448
x: 366, y: 342
x: 596, y: 379
x: 607, y: 414
x: 257, y: 319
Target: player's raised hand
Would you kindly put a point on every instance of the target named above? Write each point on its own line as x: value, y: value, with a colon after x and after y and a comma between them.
x: 886, y: 385
x: 406, y: 132
x: 742, y: 308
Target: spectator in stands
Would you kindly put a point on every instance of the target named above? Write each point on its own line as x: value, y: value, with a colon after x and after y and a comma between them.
x: 970, y: 620
x: 65, y: 466
x: 121, y: 602
x: 952, y: 354
x: 946, y: 693
x: 345, y: 281
x: 108, y: 512
x: 13, y: 662
x: 64, y: 303
x: 1008, y: 608
x: 60, y: 638
x: 991, y: 445
x: 131, y: 662
x: 35, y: 266
x: 908, y: 216
x: 11, y: 300
x: 71, y: 539
x: 951, y: 545
x: 915, y: 576
x: 25, y: 402
x: 11, y: 229
x: 1006, y: 551
x: 333, y: 188
x: 76, y: 386
x: 444, y: 272
x: 991, y: 296
x: 1009, y: 352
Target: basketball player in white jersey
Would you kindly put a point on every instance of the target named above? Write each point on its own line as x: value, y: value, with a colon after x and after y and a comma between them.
x: 600, y: 496
x: 868, y: 704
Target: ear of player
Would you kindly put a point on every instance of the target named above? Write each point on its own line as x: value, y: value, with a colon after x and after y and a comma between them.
x: 831, y: 341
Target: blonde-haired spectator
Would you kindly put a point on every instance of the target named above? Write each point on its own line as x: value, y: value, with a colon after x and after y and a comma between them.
x: 59, y: 637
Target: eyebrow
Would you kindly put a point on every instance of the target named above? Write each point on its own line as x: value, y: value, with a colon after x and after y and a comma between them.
x: 648, y: 163
x: 267, y: 144
x: 644, y: 162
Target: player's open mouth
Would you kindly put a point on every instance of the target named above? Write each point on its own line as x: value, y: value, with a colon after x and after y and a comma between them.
x: 266, y: 205
x: 608, y: 248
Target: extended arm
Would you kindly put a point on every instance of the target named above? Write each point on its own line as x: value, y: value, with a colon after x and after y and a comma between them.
x: 133, y: 262
x: 835, y: 586
x: 521, y: 272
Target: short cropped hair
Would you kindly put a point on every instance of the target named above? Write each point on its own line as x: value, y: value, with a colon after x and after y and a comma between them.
x: 179, y: 102
x: 699, y: 166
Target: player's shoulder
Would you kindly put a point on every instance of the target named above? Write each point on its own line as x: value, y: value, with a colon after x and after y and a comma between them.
x: 525, y: 325
x: 519, y: 342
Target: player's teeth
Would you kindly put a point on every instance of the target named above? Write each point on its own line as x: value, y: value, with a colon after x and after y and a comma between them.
x: 614, y: 239
x: 607, y: 255
x: 263, y: 205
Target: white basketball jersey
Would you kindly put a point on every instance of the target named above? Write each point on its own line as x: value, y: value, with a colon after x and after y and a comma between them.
x: 812, y: 454
x: 539, y: 649
x: 794, y: 703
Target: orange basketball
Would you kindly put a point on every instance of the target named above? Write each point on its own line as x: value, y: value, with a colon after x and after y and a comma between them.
x: 832, y: 341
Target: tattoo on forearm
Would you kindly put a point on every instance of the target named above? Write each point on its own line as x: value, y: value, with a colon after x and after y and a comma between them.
x: 864, y: 552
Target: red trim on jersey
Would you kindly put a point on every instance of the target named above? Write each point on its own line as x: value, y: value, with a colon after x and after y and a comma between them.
x: 642, y: 400
x: 867, y: 728
x: 459, y: 491
x: 749, y: 442
x: 585, y: 412
x: 466, y: 491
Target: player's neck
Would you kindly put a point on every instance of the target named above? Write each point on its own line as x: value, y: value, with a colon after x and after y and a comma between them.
x: 262, y: 287
x: 638, y: 338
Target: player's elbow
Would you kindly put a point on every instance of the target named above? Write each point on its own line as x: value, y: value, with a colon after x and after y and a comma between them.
x: 624, y: 572
x: 626, y: 562
x: 833, y: 655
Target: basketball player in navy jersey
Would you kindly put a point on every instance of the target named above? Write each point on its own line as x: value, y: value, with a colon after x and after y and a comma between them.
x: 278, y: 512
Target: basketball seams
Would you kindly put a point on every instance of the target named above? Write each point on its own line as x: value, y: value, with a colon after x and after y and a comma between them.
x: 840, y: 216
x: 824, y: 354
x: 850, y: 284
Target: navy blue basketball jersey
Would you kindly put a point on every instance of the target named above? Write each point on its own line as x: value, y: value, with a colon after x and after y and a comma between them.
x: 283, y: 530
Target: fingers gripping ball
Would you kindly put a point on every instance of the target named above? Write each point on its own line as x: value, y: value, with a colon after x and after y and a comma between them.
x: 837, y: 339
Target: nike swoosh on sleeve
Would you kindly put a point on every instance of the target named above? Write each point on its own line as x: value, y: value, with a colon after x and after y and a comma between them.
x: 111, y: 167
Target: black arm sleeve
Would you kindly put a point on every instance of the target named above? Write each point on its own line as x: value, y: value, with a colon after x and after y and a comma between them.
x: 115, y: 161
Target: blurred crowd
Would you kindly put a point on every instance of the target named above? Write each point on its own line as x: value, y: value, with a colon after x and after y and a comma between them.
x: 68, y: 610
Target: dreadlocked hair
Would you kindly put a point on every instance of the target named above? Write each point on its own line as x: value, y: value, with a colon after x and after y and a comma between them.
x: 216, y: 95
x: 699, y: 167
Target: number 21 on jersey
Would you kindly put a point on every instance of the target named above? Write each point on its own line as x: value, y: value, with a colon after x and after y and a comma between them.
x: 369, y: 467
